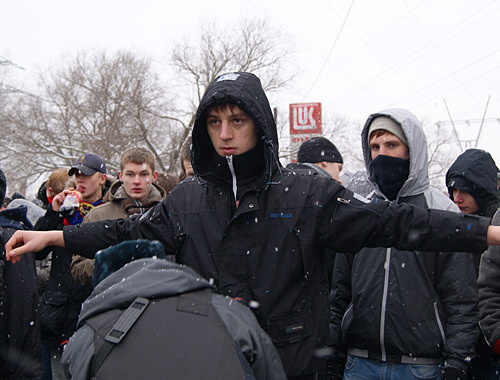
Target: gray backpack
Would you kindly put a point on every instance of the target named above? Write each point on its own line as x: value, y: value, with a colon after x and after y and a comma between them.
x: 180, y: 337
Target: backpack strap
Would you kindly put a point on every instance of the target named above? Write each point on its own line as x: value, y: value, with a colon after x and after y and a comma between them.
x: 119, y: 330
x: 197, y: 302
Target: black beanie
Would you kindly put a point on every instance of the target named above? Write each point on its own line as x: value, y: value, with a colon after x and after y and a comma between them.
x: 3, y: 186
x: 318, y: 149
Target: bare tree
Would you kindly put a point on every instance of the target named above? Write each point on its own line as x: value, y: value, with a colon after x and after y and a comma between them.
x: 104, y: 103
x: 9, y: 97
x: 96, y: 103
x: 442, y: 150
x: 251, y: 45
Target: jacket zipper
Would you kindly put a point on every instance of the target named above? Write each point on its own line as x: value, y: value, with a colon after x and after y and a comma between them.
x: 233, y: 176
x: 384, y: 304
x: 440, y: 324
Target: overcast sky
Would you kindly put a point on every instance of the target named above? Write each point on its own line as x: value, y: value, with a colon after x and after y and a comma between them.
x: 355, y: 57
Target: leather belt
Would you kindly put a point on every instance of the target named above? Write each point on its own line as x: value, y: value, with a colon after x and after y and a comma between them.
x: 400, y: 359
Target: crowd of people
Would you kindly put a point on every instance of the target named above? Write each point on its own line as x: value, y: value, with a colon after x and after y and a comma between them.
x: 245, y: 269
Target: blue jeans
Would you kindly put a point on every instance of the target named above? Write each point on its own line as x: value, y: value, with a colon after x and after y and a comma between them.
x: 365, y: 369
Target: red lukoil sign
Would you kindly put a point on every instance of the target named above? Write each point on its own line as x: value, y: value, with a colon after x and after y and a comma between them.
x: 305, y: 118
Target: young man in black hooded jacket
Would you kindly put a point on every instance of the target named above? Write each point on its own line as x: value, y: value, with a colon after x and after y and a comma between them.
x: 260, y: 230
x: 472, y: 185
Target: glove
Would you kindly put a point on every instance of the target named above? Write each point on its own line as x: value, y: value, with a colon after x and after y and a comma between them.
x: 451, y: 372
x: 334, y: 369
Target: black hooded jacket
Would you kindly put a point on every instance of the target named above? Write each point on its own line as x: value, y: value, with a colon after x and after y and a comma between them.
x: 20, y: 355
x: 270, y: 248
x: 475, y: 171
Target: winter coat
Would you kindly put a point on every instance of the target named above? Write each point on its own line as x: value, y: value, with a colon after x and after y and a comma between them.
x: 155, y: 279
x: 20, y: 355
x: 313, y: 169
x: 61, y: 301
x: 475, y: 171
x: 270, y: 249
x: 391, y: 304
x: 113, y: 209
x: 81, y: 267
x: 489, y: 292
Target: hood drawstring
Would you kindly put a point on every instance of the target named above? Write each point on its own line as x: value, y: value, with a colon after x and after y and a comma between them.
x: 272, y: 159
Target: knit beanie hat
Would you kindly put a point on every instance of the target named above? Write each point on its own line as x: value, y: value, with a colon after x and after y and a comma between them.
x: 3, y: 186
x: 318, y: 149
x: 388, y: 124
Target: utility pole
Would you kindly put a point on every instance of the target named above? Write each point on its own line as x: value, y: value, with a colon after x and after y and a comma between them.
x: 470, y: 142
x: 6, y: 89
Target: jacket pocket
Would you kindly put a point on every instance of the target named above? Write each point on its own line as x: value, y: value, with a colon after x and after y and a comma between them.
x: 290, y: 329
x: 53, y: 312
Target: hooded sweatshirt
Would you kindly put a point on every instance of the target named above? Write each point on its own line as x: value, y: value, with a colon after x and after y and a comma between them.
x: 155, y: 279
x: 475, y: 171
x: 390, y: 304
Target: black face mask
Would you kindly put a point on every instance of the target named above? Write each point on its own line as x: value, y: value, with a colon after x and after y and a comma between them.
x: 390, y: 173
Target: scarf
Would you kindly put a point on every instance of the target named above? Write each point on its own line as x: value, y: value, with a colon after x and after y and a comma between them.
x: 390, y: 173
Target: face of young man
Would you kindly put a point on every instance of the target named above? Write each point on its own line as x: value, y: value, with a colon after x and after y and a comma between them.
x: 231, y: 130
x: 388, y: 145
x: 90, y: 186
x: 465, y: 202
x: 137, y: 180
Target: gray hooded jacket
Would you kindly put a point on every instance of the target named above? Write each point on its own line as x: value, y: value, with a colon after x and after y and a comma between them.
x: 390, y: 304
x: 155, y: 279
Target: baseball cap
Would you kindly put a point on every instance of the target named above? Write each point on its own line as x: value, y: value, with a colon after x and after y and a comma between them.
x: 88, y: 164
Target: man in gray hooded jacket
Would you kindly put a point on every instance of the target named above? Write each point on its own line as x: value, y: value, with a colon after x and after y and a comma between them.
x: 403, y: 313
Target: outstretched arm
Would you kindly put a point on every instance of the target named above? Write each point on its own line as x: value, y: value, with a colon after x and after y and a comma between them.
x: 31, y: 241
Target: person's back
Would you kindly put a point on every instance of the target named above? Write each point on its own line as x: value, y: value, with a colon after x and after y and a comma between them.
x: 398, y: 307
x: 20, y: 352
x: 184, y: 331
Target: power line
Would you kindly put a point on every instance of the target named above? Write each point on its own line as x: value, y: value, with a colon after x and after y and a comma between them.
x: 330, y: 52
